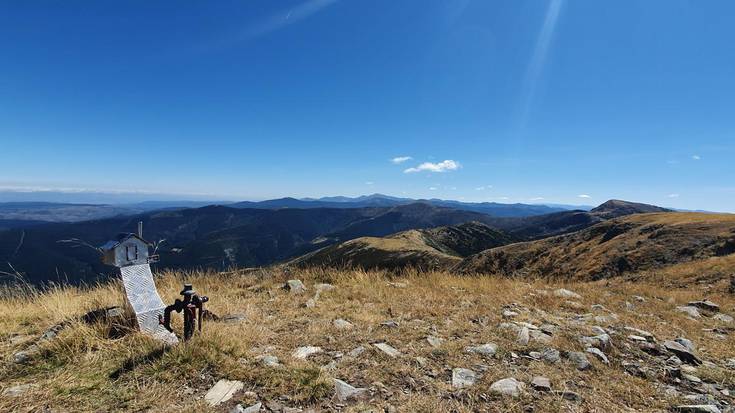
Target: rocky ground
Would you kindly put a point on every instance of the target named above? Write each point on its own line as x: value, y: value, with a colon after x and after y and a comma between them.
x: 363, y: 342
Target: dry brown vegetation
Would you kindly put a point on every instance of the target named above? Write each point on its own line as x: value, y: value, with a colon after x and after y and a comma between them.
x: 82, y: 369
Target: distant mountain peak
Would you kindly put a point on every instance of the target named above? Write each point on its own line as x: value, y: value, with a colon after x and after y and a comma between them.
x: 616, y: 208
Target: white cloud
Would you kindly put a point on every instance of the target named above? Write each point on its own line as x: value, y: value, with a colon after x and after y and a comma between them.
x: 503, y: 198
x: 673, y: 195
x: 400, y: 159
x: 583, y: 196
x: 433, y: 188
x: 538, y: 198
x: 369, y: 183
x: 696, y: 157
x: 672, y: 162
x: 443, y: 166
x: 482, y: 188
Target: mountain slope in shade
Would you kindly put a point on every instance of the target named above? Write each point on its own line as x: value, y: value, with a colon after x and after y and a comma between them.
x: 623, y: 245
x: 426, y: 249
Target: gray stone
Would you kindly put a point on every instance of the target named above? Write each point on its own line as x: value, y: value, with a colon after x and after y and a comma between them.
x: 324, y: 287
x: 564, y: 293
x: 691, y: 311
x: 601, y: 341
x: 540, y: 337
x: 18, y: 390
x: 434, y: 341
x: 222, y: 391
x: 233, y: 318
x: 487, y: 349
x: 579, y: 360
x: 310, y: 303
x: 390, y: 324
x: 268, y: 360
x: 569, y: 395
x: 345, y: 392
x: 686, y: 343
x: 698, y: 408
x: 356, y: 351
x: 385, y: 348
x: 642, y: 333
x: 706, y: 305
x: 723, y: 318
x: 633, y: 337
x: 599, y: 354
x: 541, y: 383
x: 682, y: 352
x: 551, y: 355
x: 251, y: 409
x: 295, y: 286
x: 305, y: 351
x: 598, y: 330
x: 523, y: 336
x: 463, y: 378
x: 507, y: 387
x: 549, y: 329
x: 342, y: 324
x: 509, y: 314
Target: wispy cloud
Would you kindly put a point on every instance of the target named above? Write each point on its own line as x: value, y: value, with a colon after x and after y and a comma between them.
x: 538, y: 60
x: 482, y: 188
x: 432, y: 188
x: 400, y: 159
x: 583, y: 196
x: 696, y: 157
x: 673, y: 195
x: 369, y: 183
x: 538, y: 198
x: 503, y: 198
x: 672, y: 162
x: 443, y: 166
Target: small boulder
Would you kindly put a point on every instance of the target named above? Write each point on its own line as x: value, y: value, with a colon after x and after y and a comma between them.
x: 706, y: 305
x: 387, y: 349
x: 342, y: 324
x: 597, y: 353
x: 251, y: 409
x: 507, y: 387
x: 18, y: 390
x: 303, y: 352
x: 345, y: 391
x: 551, y: 355
x: 463, y: 378
x: 698, y: 408
x: 689, y: 310
x: 682, y: 352
x: 222, y: 391
x: 435, y: 341
x: 579, y: 360
x: 487, y: 349
x: 541, y: 383
x: 295, y: 286
x: 268, y: 360
x: 390, y: 324
x: 723, y: 318
x: 523, y: 336
x: 564, y: 293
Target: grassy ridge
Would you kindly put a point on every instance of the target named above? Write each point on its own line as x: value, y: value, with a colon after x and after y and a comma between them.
x: 84, y: 370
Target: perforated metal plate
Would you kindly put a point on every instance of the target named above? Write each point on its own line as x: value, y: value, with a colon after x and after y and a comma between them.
x: 144, y: 298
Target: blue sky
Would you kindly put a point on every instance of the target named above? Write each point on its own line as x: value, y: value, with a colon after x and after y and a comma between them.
x: 508, y: 101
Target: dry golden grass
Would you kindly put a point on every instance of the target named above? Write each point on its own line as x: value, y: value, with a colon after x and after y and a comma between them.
x: 83, y: 370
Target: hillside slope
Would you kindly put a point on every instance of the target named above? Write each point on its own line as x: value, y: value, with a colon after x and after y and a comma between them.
x: 425, y: 249
x: 611, y: 248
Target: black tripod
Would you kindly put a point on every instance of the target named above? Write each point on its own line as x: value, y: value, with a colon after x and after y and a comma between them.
x: 193, y: 307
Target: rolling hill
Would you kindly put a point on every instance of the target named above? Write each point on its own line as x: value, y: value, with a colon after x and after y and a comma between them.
x: 624, y: 245
x: 426, y: 249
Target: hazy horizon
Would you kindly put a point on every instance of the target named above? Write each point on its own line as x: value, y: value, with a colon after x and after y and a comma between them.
x: 530, y: 101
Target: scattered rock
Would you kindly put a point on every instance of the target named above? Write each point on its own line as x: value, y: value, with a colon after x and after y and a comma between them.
x: 523, y: 336
x: 310, y: 303
x: 390, y: 324
x: 601, y: 341
x: 268, y: 360
x: 579, y: 359
x: 682, y: 352
x: 295, y: 286
x: 599, y: 354
x: 323, y: 287
x: 356, y: 351
x: 698, y: 408
x: 509, y: 314
x: 691, y: 311
x: 487, y: 349
x: 385, y: 348
x: 342, y: 324
x: 724, y: 318
x: 551, y: 355
x: 434, y: 341
x: 569, y: 395
x: 463, y: 378
x: 633, y: 337
x: 252, y: 409
x: 305, y: 351
x: 706, y: 305
x: 540, y: 336
x: 345, y: 392
x: 507, y: 387
x: 549, y: 329
x: 642, y: 333
x: 639, y: 298
x: 686, y: 343
x: 564, y: 293
x: 222, y: 391
x: 541, y: 383
x: 18, y: 390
